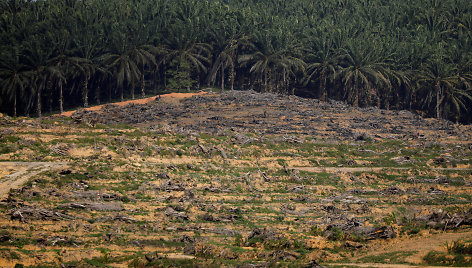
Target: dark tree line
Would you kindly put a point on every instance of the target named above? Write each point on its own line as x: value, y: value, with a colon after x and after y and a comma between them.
x: 405, y: 54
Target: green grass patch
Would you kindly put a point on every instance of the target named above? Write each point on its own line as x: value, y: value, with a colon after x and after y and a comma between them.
x: 446, y: 259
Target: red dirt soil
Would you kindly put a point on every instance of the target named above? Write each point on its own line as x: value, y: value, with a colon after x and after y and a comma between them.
x: 171, y: 97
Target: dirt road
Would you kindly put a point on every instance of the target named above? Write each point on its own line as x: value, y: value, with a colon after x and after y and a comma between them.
x: 419, y: 247
x: 22, y: 172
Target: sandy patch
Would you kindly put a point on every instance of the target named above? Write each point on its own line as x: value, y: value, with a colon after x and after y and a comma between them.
x: 81, y: 152
x: 6, y: 169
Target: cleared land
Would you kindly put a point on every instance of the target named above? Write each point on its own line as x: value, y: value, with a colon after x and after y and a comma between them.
x: 239, y: 179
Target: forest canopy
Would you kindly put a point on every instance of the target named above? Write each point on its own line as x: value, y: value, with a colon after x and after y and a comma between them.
x: 403, y: 54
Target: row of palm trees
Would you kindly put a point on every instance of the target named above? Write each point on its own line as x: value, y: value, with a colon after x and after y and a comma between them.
x: 392, y: 54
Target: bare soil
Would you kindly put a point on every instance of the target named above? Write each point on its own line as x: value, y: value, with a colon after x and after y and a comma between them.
x: 168, y: 98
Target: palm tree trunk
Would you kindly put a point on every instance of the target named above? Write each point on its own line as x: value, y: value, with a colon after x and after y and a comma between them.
x: 222, y: 78
x: 323, y: 88
x: 85, y: 92
x: 49, y: 91
x: 261, y: 79
x: 133, y: 81
x: 277, y: 83
x: 438, y: 100
x: 154, y: 84
x: 143, y: 93
x: 29, y: 103
x: 284, y: 86
x: 353, y: 97
x: 61, y: 98
x: 165, y: 79
x: 266, y: 78
x: 356, y: 95
x: 379, y: 101
x: 233, y: 74
x: 14, y: 105
x: 50, y: 102
x: 97, y: 94
x: 38, y: 99
x: 109, y: 92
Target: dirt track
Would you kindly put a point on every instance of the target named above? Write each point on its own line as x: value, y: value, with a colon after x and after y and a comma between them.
x: 420, y: 245
x: 23, y: 172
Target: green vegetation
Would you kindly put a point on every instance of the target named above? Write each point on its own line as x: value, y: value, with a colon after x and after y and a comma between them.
x: 459, y: 253
x: 391, y: 54
x: 391, y: 258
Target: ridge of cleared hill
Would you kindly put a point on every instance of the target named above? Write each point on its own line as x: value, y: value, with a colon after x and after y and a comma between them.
x: 267, y: 113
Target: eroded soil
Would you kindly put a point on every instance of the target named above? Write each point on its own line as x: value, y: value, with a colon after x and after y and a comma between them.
x: 239, y: 180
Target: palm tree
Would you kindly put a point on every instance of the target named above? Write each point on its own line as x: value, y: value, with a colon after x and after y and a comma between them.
x: 260, y: 57
x: 226, y: 40
x: 209, y: 38
x: 184, y: 51
x: 323, y: 65
x: 224, y: 58
x: 438, y: 79
x: 69, y: 66
x: 290, y: 66
x: 14, y: 76
x: 122, y: 64
x: 362, y: 71
x: 456, y: 98
x: 37, y: 59
x: 66, y: 63
x: 272, y: 51
x: 399, y: 91
x: 144, y: 57
x: 237, y: 44
x: 86, y: 68
x: 88, y: 41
